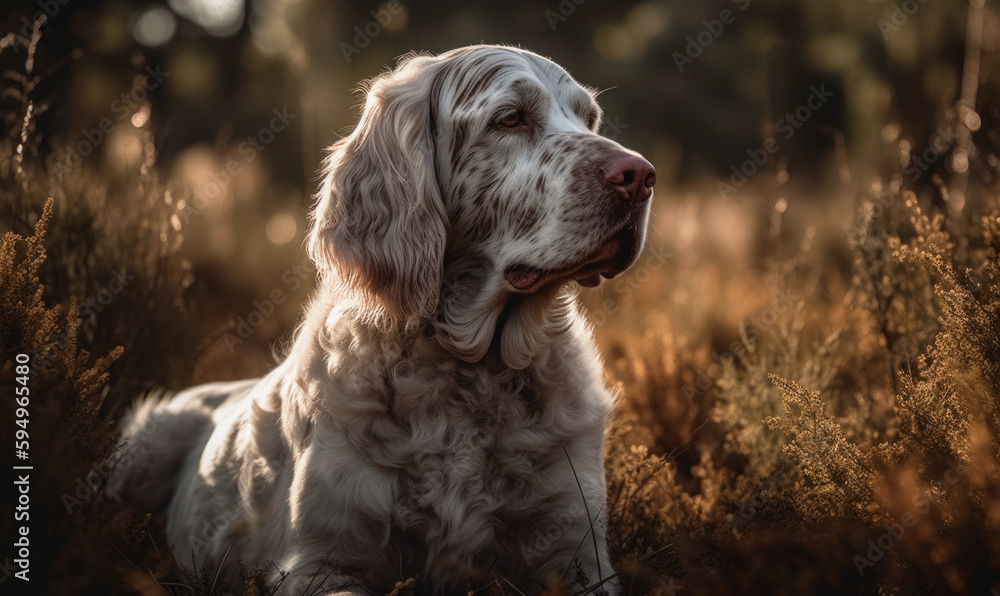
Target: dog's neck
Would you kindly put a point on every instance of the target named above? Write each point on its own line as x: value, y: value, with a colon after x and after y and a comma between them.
x: 495, y: 330
x: 518, y: 328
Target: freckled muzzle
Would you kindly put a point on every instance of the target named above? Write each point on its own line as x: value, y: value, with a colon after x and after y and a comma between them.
x: 627, y: 181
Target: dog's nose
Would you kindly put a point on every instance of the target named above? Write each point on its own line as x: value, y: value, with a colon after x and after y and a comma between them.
x: 632, y: 176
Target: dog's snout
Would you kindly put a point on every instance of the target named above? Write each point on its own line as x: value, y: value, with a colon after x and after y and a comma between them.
x: 632, y: 176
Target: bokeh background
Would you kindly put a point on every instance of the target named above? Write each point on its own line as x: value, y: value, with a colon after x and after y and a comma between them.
x: 825, y: 211
x: 694, y: 93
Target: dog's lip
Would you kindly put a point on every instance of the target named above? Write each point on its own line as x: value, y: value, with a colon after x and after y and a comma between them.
x: 610, y: 258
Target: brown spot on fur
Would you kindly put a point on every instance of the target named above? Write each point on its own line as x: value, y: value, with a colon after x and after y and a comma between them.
x: 471, y: 91
x: 524, y: 221
x: 456, y: 144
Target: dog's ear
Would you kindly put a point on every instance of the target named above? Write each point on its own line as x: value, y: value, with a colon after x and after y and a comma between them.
x: 379, y: 224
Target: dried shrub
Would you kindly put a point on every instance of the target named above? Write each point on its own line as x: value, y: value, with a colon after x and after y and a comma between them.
x: 67, y: 235
x: 68, y: 440
x: 850, y: 446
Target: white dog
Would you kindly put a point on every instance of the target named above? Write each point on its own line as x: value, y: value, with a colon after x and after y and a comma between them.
x: 441, y: 412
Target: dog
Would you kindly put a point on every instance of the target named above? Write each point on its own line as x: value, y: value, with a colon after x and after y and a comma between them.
x: 440, y: 413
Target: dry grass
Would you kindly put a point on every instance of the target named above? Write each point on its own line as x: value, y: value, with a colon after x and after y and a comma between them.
x: 847, y: 442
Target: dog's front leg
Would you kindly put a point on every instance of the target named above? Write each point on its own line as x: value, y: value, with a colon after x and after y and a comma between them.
x: 568, y: 547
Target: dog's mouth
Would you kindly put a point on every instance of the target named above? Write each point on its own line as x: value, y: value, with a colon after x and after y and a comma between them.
x: 613, y: 256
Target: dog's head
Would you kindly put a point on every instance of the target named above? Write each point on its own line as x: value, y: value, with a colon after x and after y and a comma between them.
x: 474, y: 188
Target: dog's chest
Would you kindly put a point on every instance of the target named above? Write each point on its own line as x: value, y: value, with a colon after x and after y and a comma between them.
x: 476, y: 454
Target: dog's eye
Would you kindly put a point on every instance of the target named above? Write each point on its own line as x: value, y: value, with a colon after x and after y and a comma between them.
x: 591, y: 121
x: 511, y: 119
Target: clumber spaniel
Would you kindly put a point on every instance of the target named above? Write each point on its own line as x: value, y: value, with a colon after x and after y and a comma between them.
x: 441, y: 411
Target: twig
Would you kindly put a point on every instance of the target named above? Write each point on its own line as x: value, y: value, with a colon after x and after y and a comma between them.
x: 590, y: 589
x: 965, y: 107
x: 597, y: 554
x: 153, y: 542
x: 328, y: 573
x: 580, y: 545
x: 219, y: 570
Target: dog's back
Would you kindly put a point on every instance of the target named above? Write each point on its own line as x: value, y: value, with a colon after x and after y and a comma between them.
x: 161, y: 434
